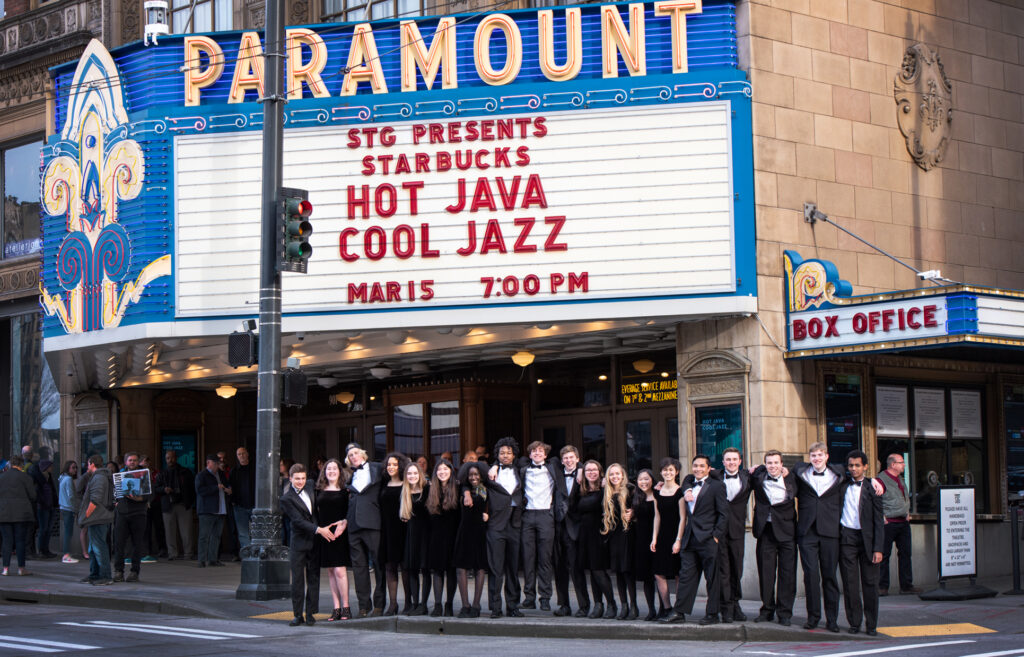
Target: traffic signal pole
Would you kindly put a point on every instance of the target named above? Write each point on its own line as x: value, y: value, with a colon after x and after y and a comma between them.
x: 265, y: 568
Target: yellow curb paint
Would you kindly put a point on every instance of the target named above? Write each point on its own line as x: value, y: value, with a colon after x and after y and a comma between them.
x: 287, y: 615
x: 934, y: 630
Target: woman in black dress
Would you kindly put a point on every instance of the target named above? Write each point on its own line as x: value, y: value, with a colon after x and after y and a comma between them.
x: 618, y: 529
x: 643, y: 530
x: 331, y: 510
x: 471, y: 539
x: 413, y: 512
x: 592, y: 548
x: 668, y: 531
x: 443, y: 507
x: 392, y: 532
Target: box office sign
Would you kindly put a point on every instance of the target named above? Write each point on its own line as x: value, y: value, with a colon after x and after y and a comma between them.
x: 957, y: 537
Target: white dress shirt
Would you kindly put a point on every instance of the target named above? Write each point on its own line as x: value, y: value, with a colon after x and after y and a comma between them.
x: 361, y: 477
x: 698, y: 486
x: 507, y: 479
x: 775, y: 489
x: 732, y: 484
x: 304, y: 496
x: 570, y: 479
x: 538, y: 488
x: 851, y: 505
x: 820, y: 482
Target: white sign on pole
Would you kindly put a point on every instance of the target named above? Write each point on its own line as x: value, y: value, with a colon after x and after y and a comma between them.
x: 957, y: 536
x: 891, y: 411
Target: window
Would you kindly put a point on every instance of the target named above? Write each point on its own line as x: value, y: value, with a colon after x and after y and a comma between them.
x: 718, y: 427
x: 35, y: 402
x: 207, y: 16
x: 93, y: 442
x: 20, y: 186
x: 842, y: 416
x: 341, y: 11
x: 1013, y: 410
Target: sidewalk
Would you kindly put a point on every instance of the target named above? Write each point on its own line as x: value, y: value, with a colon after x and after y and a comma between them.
x: 180, y: 588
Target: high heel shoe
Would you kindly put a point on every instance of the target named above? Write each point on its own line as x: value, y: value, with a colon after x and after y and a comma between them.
x: 437, y: 611
x: 346, y: 614
x: 623, y: 613
x: 612, y: 611
x: 449, y: 609
x: 392, y: 609
x: 634, y: 613
x: 597, y: 611
x: 336, y: 615
x: 651, y: 616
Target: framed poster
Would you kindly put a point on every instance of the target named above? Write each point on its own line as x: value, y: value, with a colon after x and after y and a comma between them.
x: 718, y: 427
x: 957, y: 537
x: 182, y: 443
x: 930, y: 412
x: 965, y: 408
x: 891, y: 411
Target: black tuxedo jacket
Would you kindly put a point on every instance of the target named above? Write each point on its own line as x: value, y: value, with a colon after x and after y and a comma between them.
x: 563, y: 507
x: 737, y: 506
x: 364, y: 506
x: 783, y: 514
x: 821, y: 514
x: 502, y: 512
x: 304, y: 522
x: 872, y: 522
x: 709, y: 518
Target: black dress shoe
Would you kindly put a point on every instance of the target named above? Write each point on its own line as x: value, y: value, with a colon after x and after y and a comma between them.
x: 449, y: 609
x: 496, y: 613
x: 710, y: 619
x: 436, y: 611
x: 597, y: 611
x: 563, y: 610
x: 810, y: 624
x: 611, y: 611
x: 296, y: 622
x: 634, y: 613
x: 513, y: 612
x: 545, y: 605
x: 871, y: 632
x: 528, y: 604
x: 377, y: 611
x: 673, y: 617
x: 651, y: 616
x: 465, y: 612
x: 853, y: 630
x: 310, y: 620
x: 623, y: 613
x: 739, y: 616
x: 763, y: 617
x: 474, y: 612
x: 392, y: 610
x: 582, y: 612
x: 785, y: 622
x: 832, y: 627
x: 727, y: 619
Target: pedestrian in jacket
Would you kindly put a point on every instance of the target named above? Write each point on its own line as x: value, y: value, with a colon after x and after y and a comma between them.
x: 97, y: 514
x: 68, y: 501
x: 17, y: 501
x: 46, y: 503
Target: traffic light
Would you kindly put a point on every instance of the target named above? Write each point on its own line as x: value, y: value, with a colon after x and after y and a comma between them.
x: 295, y: 210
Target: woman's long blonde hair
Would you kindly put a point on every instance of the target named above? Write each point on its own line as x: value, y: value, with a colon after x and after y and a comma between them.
x: 615, y: 500
x: 405, y: 508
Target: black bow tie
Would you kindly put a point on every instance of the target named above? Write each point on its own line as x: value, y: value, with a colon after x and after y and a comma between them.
x: 357, y: 469
x: 729, y: 476
x: 570, y: 474
x: 534, y: 466
x: 856, y: 483
x: 698, y: 484
x: 771, y: 478
x: 818, y: 474
x: 504, y: 467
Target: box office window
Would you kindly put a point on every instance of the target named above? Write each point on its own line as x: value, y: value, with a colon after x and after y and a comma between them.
x: 940, y: 431
x: 842, y: 415
x: 718, y: 428
x: 1013, y: 420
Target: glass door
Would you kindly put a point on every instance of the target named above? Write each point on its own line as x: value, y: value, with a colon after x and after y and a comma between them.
x: 648, y: 435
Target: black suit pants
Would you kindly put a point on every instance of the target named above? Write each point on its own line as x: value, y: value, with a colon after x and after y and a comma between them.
x: 898, y: 533
x: 305, y: 581
x: 776, y: 573
x: 566, y: 569
x: 131, y: 526
x: 363, y: 545
x: 730, y: 560
x: 860, y: 577
x: 698, y: 558
x: 503, y: 560
x: 819, y: 558
x: 538, y: 539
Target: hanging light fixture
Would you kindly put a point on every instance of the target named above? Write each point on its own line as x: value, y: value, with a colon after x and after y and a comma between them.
x: 226, y: 391
x: 344, y: 397
x: 380, y: 371
x: 643, y: 365
x: 522, y: 358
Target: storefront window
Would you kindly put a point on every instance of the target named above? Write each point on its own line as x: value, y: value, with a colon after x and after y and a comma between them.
x: 594, y: 442
x: 444, y: 430
x: 1013, y: 410
x: 842, y: 415
x: 555, y: 436
x: 580, y: 384
x: 93, y: 441
x: 408, y: 426
x: 380, y: 441
x: 672, y: 431
x: 207, y: 16
x: 20, y: 186
x: 361, y: 10
x: 718, y: 427
x: 638, y: 446
x: 35, y: 402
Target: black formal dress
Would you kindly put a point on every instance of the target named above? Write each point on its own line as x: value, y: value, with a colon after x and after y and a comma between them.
x: 620, y: 541
x: 417, y: 534
x: 444, y: 528
x: 471, y: 539
x: 592, y: 548
x: 642, y: 530
x: 667, y: 564
x: 332, y: 506
x: 392, y: 529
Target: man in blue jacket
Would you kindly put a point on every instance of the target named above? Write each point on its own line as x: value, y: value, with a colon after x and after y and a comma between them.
x: 212, y: 505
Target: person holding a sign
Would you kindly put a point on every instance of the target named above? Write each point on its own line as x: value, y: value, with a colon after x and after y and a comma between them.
x: 130, y: 522
x: 861, y: 532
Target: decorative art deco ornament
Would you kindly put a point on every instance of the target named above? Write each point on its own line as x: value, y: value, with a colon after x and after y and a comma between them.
x: 924, y: 102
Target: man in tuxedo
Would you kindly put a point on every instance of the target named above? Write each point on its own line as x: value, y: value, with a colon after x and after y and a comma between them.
x: 538, y: 530
x: 774, y: 528
x: 298, y: 502
x: 364, y: 528
x: 706, y: 520
x: 819, y: 496
x: 861, y: 534
x: 730, y: 549
x: 567, y: 532
x: 505, y: 504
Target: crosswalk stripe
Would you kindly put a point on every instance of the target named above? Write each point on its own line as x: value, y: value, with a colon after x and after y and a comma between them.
x: 192, y: 630
x: 52, y: 644
x: 911, y: 646
x: 170, y: 631
x: 1002, y: 653
x: 23, y: 646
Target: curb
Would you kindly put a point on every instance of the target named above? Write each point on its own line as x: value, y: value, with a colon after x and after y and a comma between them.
x: 114, y: 604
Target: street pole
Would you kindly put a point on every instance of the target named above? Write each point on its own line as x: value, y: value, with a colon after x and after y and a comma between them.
x: 265, y: 568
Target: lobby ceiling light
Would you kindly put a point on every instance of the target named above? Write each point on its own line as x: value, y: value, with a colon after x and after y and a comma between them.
x: 397, y: 337
x: 178, y: 365
x: 339, y: 344
x: 643, y: 365
x: 462, y: 331
x: 602, y: 377
x: 664, y: 375
x: 344, y: 397
x: 380, y: 371
x: 326, y: 381
x: 225, y: 391
x: 522, y: 358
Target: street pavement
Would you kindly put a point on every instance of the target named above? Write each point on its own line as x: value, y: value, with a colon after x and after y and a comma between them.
x: 177, y: 594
